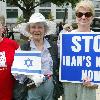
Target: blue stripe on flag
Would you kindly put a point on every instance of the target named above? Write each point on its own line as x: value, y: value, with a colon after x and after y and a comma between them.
x: 28, y: 54
x: 25, y: 70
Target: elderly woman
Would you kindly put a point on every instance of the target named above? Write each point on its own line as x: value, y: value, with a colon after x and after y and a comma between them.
x: 7, y: 50
x: 37, y: 27
x: 78, y: 91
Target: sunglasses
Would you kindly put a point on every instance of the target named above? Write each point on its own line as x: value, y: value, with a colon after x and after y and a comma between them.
x: 80, y: 14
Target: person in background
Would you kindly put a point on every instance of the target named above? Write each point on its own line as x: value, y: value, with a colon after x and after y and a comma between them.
x: 60, y: 26
x: 38, y: 27
x: 57, y: 29
x: 6, y: 31
x: 77, y: 91
x: 74, y: 26
x: 7, y: 50
x: 66, y: 28
x: 11, y: 33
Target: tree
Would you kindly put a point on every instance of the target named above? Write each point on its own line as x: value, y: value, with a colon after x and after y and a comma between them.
x: 50, y: 17
x: 20, y: 19
x: 62, y: 2
x: 27, y: 6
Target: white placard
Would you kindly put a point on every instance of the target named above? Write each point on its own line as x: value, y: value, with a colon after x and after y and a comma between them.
x: 27, y: 62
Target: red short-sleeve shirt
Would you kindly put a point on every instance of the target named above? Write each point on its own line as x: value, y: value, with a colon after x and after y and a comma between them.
x: 7, y: 50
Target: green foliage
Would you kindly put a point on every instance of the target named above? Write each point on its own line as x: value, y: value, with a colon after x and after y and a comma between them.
x: 20, y: 19
x: 28, y: 5
x: 59, y: 2
x: 73, y: 2
x: 62, y: 2
x: 50, y: 17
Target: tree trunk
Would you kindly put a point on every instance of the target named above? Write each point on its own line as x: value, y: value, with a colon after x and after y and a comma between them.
x: 26, y: 15
x: 65, y: 15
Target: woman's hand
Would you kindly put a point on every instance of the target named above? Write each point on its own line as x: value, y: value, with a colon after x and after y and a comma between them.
x: 37, y: 78
x: 87, y: 83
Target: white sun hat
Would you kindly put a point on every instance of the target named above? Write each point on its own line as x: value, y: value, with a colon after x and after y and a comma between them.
x: 37, y: 17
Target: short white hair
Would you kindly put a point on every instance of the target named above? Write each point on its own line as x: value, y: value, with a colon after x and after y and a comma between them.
x: 43, y: 23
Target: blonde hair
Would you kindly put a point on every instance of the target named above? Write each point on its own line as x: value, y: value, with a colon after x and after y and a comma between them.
x: 66, y: 25
x: 85, y: 4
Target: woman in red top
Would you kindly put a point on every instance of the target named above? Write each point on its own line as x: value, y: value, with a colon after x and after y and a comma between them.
x: 7, y: 50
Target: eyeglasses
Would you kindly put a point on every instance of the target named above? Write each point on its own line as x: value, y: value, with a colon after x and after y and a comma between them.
x: 87, y: 14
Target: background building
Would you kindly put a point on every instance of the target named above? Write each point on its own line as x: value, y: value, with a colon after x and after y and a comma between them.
x: 11, y: 13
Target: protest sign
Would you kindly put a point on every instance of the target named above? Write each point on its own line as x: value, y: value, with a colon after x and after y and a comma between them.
x: 80, y: 57
x: 27, y: 62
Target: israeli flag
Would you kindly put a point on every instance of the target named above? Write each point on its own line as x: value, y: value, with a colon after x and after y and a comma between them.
x: 26, y: 62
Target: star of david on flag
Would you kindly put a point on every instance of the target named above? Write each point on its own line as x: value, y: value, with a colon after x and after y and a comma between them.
x: 27, y: 62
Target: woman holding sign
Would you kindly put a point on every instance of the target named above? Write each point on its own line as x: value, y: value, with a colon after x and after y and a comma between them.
x: 78, y: 91
x: 37, y: 27
x: 7, y: 50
